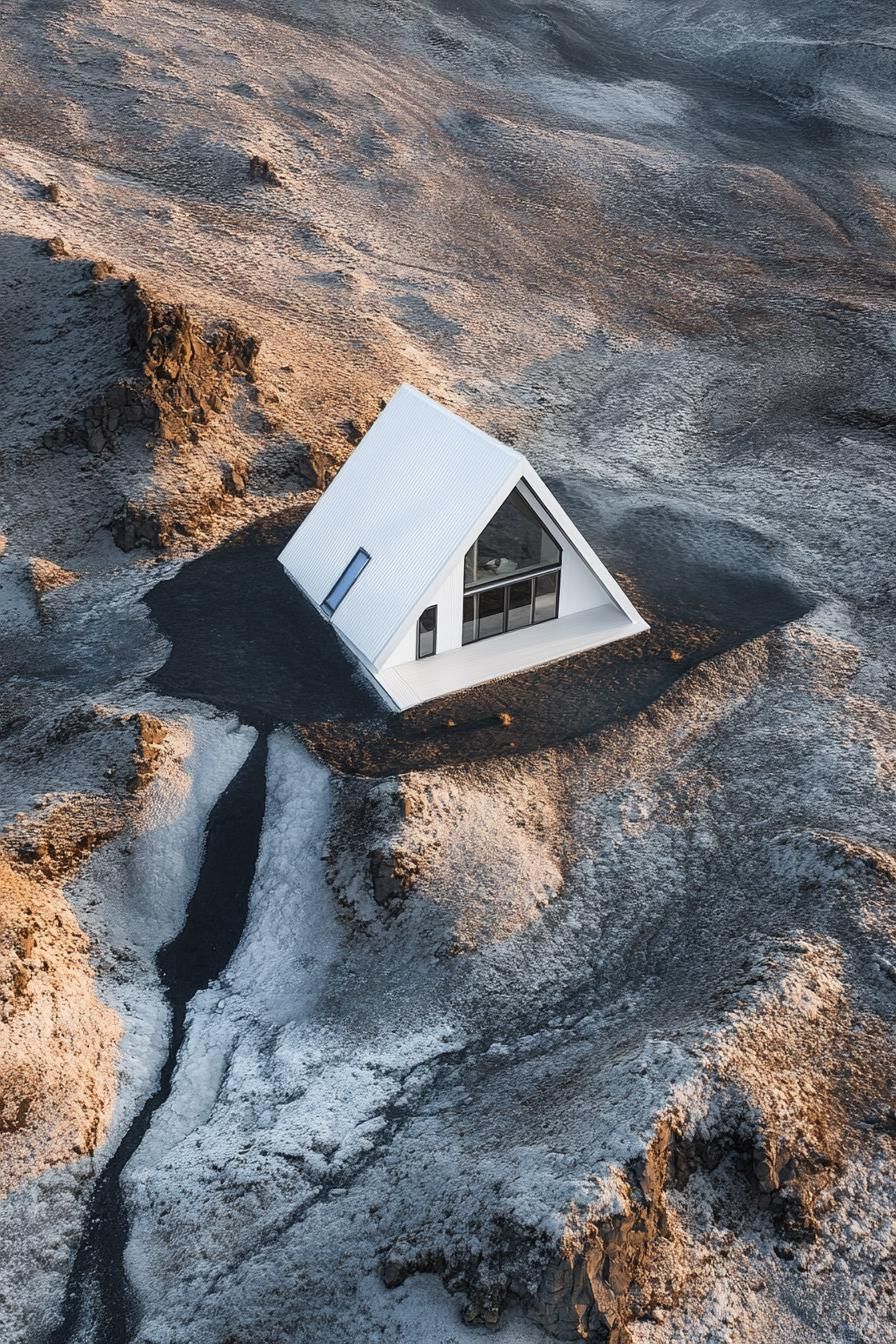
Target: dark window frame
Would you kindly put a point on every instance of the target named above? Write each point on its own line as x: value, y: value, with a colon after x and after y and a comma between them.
x: 472, y: 595
x: 435, y: 631
x: 471, y: 598
x: 475, y: 586
x: 329, y: 605
x: 520, y: 575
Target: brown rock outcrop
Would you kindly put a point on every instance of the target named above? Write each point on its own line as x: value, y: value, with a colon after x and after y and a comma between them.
x: 176, y: 380
x: 151, y: 734
x: 236, y: 478
x: 262, y: 170
x: 137, y: 524
x: 157, y: 520
x: 428, y: 841
x: 613, y: 1271
x: 188, y: 376
x: 392, y: 874
x: 53, y: 840
x: 58, y: 1041
x: 772, y: 1104
x: 46, y: 576
x: 607, y: 1273
x: 123, y: 407
x: 609, y: 1270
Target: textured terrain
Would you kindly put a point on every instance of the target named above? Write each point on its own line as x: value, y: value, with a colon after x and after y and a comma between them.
x: 576, y: 1026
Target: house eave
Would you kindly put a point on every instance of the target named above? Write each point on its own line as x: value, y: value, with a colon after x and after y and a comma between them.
x: 459, y: 670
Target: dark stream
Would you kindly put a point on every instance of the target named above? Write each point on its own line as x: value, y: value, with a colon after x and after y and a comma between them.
x: 243, y: 639
x: 99, y: 1305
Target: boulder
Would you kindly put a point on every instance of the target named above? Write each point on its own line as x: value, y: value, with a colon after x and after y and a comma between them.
x: 47, y: 576
x: 262, y: 170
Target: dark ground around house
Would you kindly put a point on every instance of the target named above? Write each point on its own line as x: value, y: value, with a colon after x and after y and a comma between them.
x: 244, y: 639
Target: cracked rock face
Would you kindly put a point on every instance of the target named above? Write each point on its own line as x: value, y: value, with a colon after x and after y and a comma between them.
x: 145, y: 429
x: 757, y: 1102
x: 183, y: 378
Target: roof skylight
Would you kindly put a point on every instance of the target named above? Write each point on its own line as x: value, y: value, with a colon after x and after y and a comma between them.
x: 349, y: 575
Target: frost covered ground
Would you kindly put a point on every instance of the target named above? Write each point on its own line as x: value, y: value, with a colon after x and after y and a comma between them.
x: 586, y: 1036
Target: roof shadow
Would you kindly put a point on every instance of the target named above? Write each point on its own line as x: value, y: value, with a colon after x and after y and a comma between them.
x: 245, y: 640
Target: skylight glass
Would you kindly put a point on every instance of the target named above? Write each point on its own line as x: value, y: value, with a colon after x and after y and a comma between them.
x: 353, y: 569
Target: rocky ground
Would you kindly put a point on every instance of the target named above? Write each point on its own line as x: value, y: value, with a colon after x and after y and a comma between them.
x: 576, y: 1026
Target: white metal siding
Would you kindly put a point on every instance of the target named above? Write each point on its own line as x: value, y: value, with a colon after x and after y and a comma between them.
x: 579, y: 589
x: 416, y: 484
x: 448, y: 599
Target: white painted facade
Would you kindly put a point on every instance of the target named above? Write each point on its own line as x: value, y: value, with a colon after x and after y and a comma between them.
x: 415, y: 495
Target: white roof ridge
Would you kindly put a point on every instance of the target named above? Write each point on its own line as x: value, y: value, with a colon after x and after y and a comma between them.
x: 467, y: 424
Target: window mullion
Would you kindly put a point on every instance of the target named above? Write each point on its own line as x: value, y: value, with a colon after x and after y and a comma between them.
x: 513, y: 578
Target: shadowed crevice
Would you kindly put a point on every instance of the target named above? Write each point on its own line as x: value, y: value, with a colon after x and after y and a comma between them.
x: 99, y: 1306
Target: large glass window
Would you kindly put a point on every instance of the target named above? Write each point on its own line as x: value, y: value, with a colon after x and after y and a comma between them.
x: 510, y: 606
x: 547, y: 587
x: 352, y: 571
x: 496, y: 599
x: 491, y: 612
x: 426, y: 633
x: 512, y: 543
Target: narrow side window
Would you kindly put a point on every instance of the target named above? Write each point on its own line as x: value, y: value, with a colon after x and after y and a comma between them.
x: 426, y: 633
x: 352, y: 571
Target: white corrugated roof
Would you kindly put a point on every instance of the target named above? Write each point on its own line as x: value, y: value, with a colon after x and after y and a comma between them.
x: 414, y: 487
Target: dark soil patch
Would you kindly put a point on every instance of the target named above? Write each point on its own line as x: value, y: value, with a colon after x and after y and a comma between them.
x: 244, y: 639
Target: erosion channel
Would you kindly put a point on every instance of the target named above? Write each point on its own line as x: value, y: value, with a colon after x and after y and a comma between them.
x: 99, y: 1306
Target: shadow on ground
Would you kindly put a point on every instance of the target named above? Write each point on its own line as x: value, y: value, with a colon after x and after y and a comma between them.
x: 245, y: 640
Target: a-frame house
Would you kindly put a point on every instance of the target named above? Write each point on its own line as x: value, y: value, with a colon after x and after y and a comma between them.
x: 442, y: 560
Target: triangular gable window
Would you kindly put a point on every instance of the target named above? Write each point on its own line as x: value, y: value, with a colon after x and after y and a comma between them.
x: 511, y: 573
x: 514, y: 542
